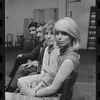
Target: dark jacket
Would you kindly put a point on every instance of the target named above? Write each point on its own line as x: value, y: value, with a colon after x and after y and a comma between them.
x: 35, y: 53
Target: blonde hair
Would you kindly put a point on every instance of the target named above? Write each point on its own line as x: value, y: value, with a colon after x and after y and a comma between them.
x: 69, y: 26
x: 49, y: 25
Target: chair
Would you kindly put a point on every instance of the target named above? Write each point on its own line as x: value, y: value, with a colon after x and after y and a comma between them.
x: 29, y: 42
x: 19, y: 42
x: 9, y: 42
x: 67, y: 88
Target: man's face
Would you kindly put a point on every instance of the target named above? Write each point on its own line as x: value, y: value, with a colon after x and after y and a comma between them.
x: 39, y: 32
x: 32, y: 30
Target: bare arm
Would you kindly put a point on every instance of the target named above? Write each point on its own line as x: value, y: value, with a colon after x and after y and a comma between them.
x: 65, y: 70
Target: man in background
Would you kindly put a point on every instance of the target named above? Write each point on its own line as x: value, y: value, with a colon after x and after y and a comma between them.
x: 24, y: 58
x: 30, y: 66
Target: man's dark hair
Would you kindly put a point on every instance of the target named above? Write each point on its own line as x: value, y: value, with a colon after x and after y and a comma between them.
x: 33, y: 24
x: 41, y: 24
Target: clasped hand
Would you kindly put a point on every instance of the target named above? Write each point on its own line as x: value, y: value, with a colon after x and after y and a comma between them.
x: 30, y: 64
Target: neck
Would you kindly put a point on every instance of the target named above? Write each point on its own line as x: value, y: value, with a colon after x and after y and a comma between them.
x: 65, y: 49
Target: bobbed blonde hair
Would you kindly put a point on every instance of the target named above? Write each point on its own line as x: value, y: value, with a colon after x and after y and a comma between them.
x: 69, y: 26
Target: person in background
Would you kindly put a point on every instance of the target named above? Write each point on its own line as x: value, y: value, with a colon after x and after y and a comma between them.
x: 67, y: 37
x: 23, y: 59
x: 31, y: 38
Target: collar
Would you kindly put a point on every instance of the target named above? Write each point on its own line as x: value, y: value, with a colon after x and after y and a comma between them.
x: 65, y: 50
x: 50, y: 48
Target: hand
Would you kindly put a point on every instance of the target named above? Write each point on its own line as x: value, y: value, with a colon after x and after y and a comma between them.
x: 27, y: 91
x: 24, y: 65
x: 35, y: 63
x: 37, y: 87
x: 19, y: 56
x: 30, y: 64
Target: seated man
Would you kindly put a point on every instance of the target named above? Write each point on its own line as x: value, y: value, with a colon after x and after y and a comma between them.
x: 23, y: 58
x: 28, y: 67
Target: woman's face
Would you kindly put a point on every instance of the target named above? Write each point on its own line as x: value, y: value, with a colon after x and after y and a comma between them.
x: 49, y: 37
x: 62, y: 39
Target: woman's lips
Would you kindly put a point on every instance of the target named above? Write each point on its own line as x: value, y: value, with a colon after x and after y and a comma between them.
x: 60, y: 42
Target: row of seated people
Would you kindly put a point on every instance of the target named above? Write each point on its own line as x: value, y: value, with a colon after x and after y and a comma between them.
x: 54, y: 60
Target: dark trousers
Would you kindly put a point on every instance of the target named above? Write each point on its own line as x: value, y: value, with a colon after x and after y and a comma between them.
x: 20, y: 73
x: 18, y: 62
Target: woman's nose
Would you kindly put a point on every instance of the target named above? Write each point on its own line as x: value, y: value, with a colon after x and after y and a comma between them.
x: 59, y: 36
x: 48, y: 36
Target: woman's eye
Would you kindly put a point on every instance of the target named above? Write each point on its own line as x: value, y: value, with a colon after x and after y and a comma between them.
x: 51, y: 33
x: 46, y: 33
x: 57, y: 33
x: 63, y: 33
x: 40, y: 31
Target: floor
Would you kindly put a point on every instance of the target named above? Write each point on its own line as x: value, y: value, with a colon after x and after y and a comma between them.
x: 87, y: 68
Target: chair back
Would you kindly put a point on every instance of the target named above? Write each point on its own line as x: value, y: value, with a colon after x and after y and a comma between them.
x: 20, y: 38
x: 9, y: 37
x: 67, y: 88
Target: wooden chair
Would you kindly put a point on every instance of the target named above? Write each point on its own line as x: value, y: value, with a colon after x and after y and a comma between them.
x: 67, y: 87
x: 9, y: 42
